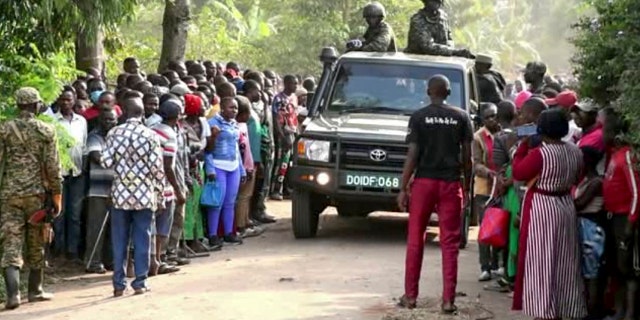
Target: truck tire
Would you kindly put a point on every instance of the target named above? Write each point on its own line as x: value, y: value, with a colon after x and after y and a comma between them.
x: 464, y: 232
x: 304, y: 219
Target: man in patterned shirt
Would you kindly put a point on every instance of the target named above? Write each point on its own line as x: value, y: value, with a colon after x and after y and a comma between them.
x: 133, y: 151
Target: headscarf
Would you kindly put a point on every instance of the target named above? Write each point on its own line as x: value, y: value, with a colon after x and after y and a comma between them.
x: 192, y: 105
x: 521, y: 98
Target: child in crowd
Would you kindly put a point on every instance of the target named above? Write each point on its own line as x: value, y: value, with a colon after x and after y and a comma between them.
x: 589, y: 206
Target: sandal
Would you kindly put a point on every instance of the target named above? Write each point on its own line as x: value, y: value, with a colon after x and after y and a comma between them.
x: 450, y: 309
x: 166, y: 269
x: 407, y: 303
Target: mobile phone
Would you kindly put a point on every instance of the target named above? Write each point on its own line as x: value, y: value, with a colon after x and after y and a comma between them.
x: 527, y: 130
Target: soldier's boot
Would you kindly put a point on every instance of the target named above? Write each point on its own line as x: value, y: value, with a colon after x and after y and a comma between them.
x: 36, y: 281
x: 12, y: 284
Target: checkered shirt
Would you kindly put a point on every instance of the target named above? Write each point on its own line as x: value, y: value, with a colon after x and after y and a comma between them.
x: 133, y: 151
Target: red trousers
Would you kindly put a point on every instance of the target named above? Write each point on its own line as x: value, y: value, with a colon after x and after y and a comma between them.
x: 445, y: 198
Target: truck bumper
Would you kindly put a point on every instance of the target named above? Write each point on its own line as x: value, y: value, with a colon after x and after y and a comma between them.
x: 325, y: 181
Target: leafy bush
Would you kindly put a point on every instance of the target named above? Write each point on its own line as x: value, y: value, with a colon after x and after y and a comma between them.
x: 608, y: 56
x: 45, y: 73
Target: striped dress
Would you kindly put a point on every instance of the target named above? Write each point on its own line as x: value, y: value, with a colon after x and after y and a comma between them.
x: 549, y: 283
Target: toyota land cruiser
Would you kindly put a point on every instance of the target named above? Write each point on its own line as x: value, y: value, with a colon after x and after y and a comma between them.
x: 352, y: 149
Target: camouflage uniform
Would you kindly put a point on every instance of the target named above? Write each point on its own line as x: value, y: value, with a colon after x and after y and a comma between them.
x: 379, y: 39
x: 22, y: 190
x: 430, y: 35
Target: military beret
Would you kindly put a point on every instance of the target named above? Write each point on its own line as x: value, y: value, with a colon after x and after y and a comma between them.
x: 483, y: 58
x: 27, y: 95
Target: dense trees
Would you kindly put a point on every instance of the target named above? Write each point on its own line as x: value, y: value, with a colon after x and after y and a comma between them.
x: 285, y: 35
x: 608, y: 55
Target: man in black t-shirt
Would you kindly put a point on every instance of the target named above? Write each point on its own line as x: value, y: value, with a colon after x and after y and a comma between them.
x: 439, y: 138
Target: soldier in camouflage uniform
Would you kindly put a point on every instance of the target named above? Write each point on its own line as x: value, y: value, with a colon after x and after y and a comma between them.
x: 429, y: 33
x: 379, y: 37
x: 30, y: 162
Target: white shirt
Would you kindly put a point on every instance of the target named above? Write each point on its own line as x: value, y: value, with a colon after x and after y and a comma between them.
x: 574, y: 133
x: 77, y: 129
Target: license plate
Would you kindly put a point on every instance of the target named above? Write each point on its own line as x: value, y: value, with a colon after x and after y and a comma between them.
x: 371, y: 180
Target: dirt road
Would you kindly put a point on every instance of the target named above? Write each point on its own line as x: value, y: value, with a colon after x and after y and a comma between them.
x: 353, y: 270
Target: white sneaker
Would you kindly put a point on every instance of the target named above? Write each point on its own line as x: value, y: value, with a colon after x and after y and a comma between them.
x: 499, y: 272
x: 484, y: 276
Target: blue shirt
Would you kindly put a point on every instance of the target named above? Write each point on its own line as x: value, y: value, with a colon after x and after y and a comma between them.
x: 226, y: 149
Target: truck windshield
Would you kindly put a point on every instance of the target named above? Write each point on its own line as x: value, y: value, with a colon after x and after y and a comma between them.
x: 389, y: 88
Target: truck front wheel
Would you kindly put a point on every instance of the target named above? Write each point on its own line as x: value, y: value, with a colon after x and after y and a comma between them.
x: 305, y: 214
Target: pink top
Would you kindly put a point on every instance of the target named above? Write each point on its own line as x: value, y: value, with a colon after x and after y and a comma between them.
x: 245, y: 147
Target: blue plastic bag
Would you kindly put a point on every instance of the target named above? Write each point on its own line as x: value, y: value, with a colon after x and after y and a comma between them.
x: 592, y: 239
x: 211, y: 195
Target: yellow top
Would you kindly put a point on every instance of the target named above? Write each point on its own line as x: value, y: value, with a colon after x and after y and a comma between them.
x: 213, y: 111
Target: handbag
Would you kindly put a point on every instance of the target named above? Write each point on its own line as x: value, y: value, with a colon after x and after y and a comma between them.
x: 494, y: 229
x: 211, y: 195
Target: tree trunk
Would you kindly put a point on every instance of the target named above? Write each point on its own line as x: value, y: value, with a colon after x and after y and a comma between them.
x: 174, y: 32
x: 89, y: 50
x: 89, y: 41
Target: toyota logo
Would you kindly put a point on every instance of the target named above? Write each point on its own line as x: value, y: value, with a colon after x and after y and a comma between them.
x: 378, y: 155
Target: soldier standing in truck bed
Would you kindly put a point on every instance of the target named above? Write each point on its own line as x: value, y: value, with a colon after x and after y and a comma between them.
x: 429, y: 33
x: 379, y: 37
x: 31, y: 168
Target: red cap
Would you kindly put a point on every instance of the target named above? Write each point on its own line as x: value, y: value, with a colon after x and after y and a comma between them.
x: 567, y: 99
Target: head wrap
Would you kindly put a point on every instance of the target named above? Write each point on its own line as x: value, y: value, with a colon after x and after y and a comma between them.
x: 553, y: 123
x: 192, y: 105
x: 521, y: 98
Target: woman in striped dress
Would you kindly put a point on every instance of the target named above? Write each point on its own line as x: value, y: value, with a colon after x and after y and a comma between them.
x: 549, y: 283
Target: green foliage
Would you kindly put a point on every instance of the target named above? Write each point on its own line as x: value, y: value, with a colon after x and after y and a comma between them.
x: 607, y: 58
x: 47, y: 73
x: 476, y: 24
x: 287, y: 35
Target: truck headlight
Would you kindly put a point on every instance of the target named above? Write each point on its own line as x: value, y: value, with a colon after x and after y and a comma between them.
x: 314, y: 150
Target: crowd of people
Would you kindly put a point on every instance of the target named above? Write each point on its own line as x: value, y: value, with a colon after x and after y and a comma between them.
x: 149, y: 148
x: 564, y: 173
x: 146, y: 149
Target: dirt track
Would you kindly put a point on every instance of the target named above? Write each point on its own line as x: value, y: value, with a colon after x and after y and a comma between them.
x: 353, y: 270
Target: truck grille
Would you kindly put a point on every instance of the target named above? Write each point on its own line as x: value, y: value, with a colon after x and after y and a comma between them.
x: 359, y: 156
